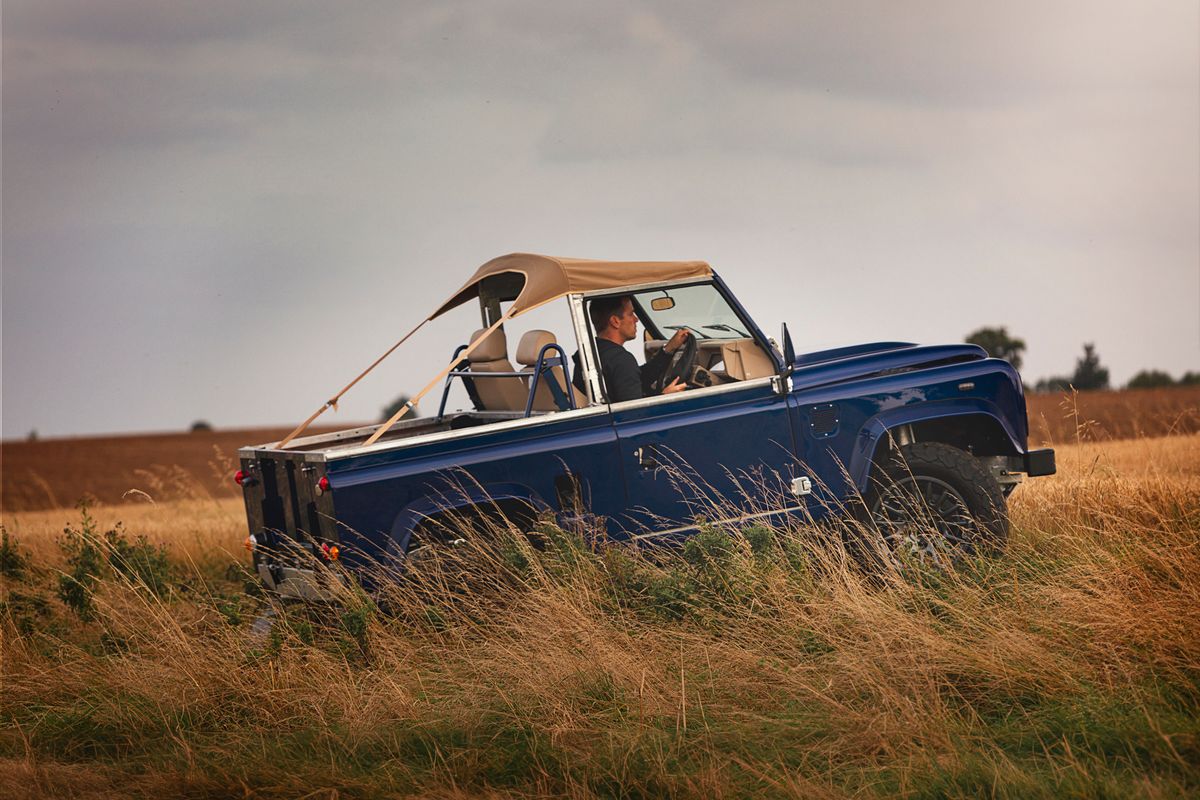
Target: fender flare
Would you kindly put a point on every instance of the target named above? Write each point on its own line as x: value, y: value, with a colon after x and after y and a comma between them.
x: 876, y: 429
x: 431, y: 505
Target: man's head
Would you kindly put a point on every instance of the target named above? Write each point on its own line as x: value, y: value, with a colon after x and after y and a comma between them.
x: 614, y: 318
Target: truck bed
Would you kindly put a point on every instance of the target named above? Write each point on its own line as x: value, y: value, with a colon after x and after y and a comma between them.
x: 316, y: 448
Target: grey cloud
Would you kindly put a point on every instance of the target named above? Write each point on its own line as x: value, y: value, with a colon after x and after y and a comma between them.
x: 947, y: 51
x: 182, y: 180
x: 149, y: 24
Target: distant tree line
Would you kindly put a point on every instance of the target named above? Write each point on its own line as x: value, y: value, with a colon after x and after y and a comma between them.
x: 1156, y: 378
x: 1089, y: 374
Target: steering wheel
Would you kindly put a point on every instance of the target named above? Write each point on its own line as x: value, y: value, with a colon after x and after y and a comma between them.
x: 683, y: 362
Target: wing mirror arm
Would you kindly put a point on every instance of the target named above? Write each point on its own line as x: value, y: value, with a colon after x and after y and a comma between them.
x: 789, y: 354
x: 783, y: 381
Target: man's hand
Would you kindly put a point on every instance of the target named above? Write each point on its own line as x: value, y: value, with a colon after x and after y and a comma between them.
x: 676, y: 385
x: 676, y: 341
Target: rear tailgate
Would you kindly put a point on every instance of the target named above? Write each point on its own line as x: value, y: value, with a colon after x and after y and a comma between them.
x: 290, y: 517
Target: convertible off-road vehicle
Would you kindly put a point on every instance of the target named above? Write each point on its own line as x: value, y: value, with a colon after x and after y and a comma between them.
x: 925, y: 442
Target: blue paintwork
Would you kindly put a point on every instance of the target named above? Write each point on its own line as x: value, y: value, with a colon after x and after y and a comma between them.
x: 868, y: 407
x: 808, y: 359
x: 712, y: 455
x: 375, y: 494
x: 745, y: 444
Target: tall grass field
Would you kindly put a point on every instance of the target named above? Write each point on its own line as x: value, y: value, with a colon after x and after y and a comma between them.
x: 755, y: 663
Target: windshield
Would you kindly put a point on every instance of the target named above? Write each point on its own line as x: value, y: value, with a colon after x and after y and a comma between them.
x: 700, y: 308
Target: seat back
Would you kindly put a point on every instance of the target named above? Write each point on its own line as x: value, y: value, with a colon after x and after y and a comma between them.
x: 497, y: 394
x: 745, y: 360
x: 527, y: 356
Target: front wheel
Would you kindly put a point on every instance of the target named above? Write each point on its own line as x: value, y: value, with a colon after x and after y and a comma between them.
x: 931, y: 500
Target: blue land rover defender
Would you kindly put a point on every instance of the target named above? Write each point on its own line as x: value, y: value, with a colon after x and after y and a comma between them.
x: 761, y: 433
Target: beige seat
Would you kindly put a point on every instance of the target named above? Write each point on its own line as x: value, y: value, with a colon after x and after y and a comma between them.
x: 497, y: 394
x: 745, y: 360
x: 728, y: 359
x: 527, y: 356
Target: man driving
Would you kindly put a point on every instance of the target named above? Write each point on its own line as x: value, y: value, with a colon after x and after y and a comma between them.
x: 616, y: 323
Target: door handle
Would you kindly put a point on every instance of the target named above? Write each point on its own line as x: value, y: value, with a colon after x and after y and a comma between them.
x: 645, y: 457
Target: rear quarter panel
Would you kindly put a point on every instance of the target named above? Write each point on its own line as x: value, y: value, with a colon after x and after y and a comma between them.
x: 380, y: 496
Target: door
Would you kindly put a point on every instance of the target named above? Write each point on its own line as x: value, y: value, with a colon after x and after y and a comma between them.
x: 722, y: 453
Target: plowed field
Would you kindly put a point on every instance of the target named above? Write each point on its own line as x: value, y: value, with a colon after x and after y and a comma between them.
x: 56, y: 473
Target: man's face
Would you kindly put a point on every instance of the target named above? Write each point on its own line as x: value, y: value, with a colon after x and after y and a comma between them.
x: 626, y: 324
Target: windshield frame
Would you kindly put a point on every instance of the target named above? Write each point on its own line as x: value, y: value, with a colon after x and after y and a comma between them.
x: 583, y: 324
x: 650, y: 324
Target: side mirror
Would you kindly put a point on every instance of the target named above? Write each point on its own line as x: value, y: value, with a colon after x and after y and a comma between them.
x: 789, y: 352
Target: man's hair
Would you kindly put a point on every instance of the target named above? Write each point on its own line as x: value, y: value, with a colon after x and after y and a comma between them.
x: 602, y: 308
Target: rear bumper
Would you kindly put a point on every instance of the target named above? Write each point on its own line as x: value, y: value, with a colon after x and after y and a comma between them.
x: 299, y: 584
x: 1039, y: 462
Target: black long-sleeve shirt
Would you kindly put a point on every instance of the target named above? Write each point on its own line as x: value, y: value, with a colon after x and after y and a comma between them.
x: 623, y: 378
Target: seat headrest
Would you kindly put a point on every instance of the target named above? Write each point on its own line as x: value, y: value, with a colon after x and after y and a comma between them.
x: 493, y: 349
x: 532, y: 344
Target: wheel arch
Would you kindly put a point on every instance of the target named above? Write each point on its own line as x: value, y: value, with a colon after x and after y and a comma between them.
x: 510, y: 502
x: 978, y: 428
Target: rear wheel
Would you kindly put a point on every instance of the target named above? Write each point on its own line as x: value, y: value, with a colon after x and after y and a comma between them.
x: 931, y: 500
x: 468, y: 542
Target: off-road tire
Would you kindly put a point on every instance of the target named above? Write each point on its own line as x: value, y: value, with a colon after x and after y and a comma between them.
x: 973, y: 522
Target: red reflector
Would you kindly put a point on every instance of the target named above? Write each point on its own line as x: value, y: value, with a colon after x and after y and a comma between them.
x: 238, y: 477
x: 323, y: 485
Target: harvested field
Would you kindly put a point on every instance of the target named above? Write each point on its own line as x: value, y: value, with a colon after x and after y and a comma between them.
x: 1066, y: 418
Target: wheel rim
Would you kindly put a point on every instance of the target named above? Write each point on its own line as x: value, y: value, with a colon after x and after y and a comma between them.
x: 925, y: 517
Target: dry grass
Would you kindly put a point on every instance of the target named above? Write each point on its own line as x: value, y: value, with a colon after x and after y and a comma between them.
x: 196, y: 531
x: 758, y: 665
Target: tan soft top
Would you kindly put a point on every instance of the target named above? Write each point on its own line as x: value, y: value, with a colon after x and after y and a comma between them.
x: 546, y: 278
x: 549, y: 277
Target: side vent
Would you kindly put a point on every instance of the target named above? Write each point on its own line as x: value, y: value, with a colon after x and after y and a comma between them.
x: 823, y: 420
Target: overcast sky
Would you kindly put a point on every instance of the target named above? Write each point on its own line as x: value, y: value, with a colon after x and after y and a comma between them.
x: 225, y: 210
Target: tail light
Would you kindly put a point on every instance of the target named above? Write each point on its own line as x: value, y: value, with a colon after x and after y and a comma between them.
x: 239, y: 477
x: 323, y: 485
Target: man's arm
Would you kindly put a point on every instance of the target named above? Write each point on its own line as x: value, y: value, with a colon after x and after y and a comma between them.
x: 652, y: 372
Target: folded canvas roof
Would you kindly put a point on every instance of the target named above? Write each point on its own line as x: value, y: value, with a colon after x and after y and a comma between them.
x: 550, y: 277
x: 546, y: 278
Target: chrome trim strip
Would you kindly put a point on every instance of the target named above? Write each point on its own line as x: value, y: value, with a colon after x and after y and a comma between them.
x: 674, y: 398
x: 744, y: 518
x: 542, y: 419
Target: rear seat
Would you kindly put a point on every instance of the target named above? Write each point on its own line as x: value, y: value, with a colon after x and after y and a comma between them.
x: 527, y: 355
x: 497, y: 394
